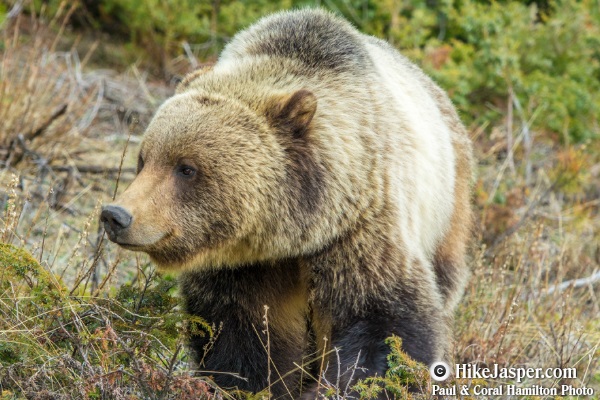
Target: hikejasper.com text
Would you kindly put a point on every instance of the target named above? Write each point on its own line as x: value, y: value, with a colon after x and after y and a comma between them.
x: 518, y: 374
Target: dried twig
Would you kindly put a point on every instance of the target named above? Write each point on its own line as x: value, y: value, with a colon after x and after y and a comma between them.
x: 575, y: 283
x: 188, y: 52
x: 94, y: 169
x: 60, y: 110
x: 509, y: 131
x: 171, y: 368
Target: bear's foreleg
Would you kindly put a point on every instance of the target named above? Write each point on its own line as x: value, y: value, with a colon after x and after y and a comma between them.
x: 254, y: 346
x: 364, y: 291
x: 358, y: 346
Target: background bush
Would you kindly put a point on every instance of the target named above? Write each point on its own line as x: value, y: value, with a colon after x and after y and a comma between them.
x: 490, y: 55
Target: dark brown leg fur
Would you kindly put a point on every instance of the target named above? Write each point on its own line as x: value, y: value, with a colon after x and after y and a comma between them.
x: 236, y: 298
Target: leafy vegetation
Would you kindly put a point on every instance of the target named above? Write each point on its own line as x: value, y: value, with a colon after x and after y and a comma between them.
x: 403, y: 378
x: 540, y: 58
x: 510, y: 56
x: 79, y: 319
x: 61, y: 345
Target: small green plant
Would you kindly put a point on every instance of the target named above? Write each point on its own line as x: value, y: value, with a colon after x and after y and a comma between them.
x: 405, y: 377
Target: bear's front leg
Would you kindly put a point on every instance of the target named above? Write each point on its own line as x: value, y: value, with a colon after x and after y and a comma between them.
x: 363, y: 293
x: 253, y: 347
x: 358, y: 350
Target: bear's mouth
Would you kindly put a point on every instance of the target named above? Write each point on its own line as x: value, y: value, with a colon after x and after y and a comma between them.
x: 130, y: 246
x: 145, y: 247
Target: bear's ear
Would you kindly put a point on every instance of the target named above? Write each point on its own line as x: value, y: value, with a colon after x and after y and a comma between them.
x: 189, y: 78
x: 294, y: 112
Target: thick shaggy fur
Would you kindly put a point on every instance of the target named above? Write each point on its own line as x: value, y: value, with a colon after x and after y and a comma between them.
x: 332, y: 185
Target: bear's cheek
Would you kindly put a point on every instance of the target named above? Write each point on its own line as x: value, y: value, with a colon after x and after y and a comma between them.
x: 205, y: 212
x: 205, y: 218
x: 202, y: 226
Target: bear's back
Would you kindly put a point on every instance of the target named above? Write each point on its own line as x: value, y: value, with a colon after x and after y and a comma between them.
x: 316, y: 38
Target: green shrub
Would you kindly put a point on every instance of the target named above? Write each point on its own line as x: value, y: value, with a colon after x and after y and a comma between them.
x: 550, y: 62
x: 159, y: 26
x: 405, y: 377
x: 91, y: 347
x: 482, y: 51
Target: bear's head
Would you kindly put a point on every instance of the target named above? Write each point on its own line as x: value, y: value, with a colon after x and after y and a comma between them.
x: 211, y: 181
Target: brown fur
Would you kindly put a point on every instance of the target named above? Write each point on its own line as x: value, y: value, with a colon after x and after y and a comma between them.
x: 185, y: 82
x: 291, y: 174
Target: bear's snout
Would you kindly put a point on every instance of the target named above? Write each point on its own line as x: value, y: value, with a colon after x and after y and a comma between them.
x: 116, y: 220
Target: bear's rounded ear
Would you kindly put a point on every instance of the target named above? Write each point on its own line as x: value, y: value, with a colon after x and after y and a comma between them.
x: 294, y: 112
x: 189, y: 78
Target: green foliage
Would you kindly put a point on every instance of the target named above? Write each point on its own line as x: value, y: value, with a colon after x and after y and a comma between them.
x: 2, y: 15
x: 94, y: 346
x: 159, y: 25
x: 487, y: 54
x: 21, y: 273
x: 549, y: 62
x: 403, y: 377
x: 236, y: 15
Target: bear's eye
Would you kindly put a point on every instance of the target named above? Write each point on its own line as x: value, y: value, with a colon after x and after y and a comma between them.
x: 186, y: 171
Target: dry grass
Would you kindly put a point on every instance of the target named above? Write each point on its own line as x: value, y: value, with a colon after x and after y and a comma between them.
x: 523, y: 306
x: 85, y: 320
x: 45, y: 105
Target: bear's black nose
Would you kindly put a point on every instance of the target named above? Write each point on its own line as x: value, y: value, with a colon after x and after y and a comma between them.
x: 115, y: 220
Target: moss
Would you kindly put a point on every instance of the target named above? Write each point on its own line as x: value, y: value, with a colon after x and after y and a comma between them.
x: 21, y: 272
x: 9, y: 353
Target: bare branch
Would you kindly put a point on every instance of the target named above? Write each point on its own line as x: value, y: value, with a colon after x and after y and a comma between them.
x: 575, y: 283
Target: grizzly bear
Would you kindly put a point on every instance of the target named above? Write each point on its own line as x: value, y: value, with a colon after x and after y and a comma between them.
x: 316, y: 171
